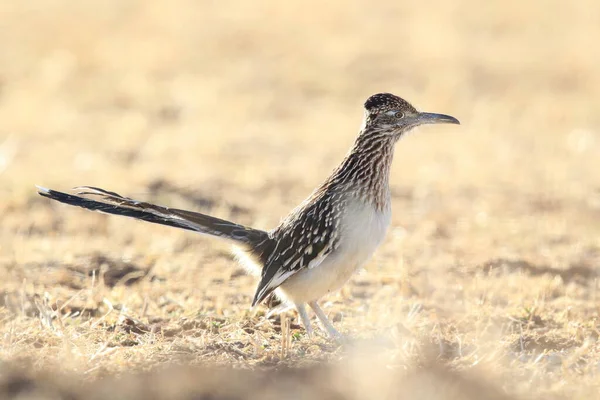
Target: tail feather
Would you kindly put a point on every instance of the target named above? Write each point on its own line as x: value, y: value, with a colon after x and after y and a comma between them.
x: 113, y: 203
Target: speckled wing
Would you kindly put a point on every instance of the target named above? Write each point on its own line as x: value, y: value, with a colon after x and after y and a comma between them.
x: 303, y: 240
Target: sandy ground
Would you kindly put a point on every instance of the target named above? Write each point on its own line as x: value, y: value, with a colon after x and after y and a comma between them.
x: 487, y: 280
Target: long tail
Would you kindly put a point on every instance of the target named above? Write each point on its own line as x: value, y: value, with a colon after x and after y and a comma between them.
x: 113, y: 203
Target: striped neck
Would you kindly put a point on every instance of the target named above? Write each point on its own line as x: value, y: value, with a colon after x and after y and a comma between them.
x: 366, y: 169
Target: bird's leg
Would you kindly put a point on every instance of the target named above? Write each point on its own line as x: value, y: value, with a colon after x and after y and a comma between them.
x: 283, y: 307
x: 304, y: 318
x: 333, y: 333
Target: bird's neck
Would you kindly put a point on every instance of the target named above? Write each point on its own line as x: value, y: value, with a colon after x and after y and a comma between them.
x: 365, y: 171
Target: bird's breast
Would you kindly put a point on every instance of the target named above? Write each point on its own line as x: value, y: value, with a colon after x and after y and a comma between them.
x: 362, y: 229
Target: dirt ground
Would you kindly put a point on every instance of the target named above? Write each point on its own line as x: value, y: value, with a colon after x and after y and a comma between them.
x: 487, y: 281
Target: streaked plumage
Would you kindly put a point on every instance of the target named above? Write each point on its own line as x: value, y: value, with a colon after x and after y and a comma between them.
x: 322, y: 242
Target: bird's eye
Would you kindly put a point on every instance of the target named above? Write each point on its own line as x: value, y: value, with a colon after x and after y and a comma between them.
x: 398, y: 114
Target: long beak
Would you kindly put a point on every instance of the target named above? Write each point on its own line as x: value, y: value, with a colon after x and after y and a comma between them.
x: 431, y: 118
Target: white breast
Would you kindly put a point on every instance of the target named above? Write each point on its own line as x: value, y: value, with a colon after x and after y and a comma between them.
x: 361, y: 231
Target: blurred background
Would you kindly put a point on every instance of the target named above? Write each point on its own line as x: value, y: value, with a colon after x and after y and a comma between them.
x: 239, y: 109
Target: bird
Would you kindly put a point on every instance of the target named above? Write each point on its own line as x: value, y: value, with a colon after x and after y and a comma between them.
x: 322, y: 242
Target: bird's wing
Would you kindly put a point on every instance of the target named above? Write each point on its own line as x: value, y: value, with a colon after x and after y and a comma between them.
x: 302, y: 241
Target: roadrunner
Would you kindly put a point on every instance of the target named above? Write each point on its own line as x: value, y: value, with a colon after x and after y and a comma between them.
x: 323, y: 241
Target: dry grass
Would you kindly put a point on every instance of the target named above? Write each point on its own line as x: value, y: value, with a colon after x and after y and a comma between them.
x: 239, y: 109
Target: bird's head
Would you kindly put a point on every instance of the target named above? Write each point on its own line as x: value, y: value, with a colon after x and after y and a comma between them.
x: 391, y: 115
